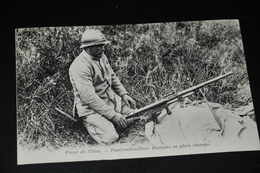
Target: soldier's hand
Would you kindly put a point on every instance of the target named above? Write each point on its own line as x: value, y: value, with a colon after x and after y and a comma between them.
x: 120, y: 120
x: 129, y: 101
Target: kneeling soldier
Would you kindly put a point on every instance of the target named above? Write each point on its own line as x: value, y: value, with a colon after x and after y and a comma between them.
x: 99, y: 97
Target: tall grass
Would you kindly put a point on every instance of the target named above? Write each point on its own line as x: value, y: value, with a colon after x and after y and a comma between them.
x: 152, y: 60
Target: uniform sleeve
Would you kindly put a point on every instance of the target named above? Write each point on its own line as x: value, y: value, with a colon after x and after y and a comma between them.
x: 116, y: 84
x: 83, y: 83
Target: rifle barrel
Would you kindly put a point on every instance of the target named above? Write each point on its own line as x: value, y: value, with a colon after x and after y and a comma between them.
x: 200, y: 85
x: 66, y: 114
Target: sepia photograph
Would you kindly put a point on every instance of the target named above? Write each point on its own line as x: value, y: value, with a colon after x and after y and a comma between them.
x: 106, y: 92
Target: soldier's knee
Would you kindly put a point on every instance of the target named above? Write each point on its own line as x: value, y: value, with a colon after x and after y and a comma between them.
x: 110, y: 137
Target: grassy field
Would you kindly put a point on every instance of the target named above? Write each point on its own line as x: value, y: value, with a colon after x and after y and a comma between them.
x: 151, y: 60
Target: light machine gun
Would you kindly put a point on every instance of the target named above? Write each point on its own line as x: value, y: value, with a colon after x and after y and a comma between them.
x: 156, y: 107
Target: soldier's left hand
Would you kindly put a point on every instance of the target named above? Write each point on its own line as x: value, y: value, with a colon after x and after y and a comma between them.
x: 129, y: 101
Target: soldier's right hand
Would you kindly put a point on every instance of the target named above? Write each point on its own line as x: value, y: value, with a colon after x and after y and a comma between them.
x: 120, y: 120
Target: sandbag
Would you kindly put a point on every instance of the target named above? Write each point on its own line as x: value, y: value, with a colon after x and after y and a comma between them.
x: 196, y: 124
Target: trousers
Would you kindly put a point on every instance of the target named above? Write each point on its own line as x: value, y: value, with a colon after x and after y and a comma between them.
x: 100, y: 128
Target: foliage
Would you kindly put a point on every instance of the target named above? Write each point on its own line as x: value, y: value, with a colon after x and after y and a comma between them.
x: 151, y: 60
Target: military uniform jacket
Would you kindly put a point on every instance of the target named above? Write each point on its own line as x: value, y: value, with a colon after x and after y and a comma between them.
x: 95, y: 85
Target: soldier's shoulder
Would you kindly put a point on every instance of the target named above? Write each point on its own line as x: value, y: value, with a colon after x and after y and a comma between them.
x: 79, y: 62
x: 76, y: 61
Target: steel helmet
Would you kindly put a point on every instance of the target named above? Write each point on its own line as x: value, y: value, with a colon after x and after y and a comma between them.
x: 93, y: 37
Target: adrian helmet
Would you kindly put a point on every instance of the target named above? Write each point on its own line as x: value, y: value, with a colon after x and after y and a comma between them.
x: 92, y: 37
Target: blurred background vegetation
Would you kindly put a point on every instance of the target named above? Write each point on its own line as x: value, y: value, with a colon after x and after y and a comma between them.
x: 151, y: 60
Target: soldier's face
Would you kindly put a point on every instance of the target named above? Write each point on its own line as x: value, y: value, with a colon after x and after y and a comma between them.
x: 96, y: 50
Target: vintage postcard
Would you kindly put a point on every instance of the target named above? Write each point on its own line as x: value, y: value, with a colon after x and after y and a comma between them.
x: 110, y: 92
